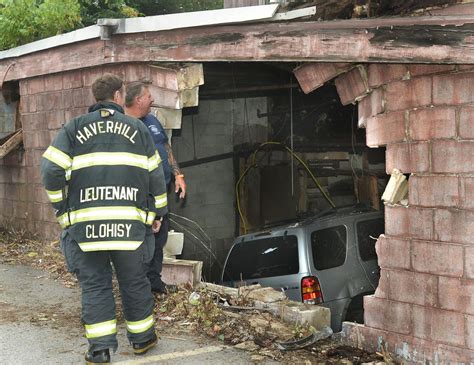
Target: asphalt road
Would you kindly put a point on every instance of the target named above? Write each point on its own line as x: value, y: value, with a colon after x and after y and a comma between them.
x: 40, y: 324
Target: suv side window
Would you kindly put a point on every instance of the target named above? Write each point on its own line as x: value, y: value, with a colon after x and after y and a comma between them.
x: 329, y: 247
x: 263, y: 258
x: 366, y: 230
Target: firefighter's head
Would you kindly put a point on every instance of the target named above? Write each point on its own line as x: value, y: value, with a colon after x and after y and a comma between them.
x: 138, y: 98
x: 109, y: 87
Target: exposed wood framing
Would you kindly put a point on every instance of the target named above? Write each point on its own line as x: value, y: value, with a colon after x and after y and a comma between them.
x: 403, y: 40
x: 11, y: 142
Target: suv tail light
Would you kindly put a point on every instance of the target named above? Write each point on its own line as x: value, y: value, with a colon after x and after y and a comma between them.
x: 311, y: 290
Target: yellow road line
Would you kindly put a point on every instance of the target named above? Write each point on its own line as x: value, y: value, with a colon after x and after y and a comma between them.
x: 171, y: 356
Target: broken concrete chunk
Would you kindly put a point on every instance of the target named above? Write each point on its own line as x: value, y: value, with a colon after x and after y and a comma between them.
x: 169, y: 118
x: 177, y: 77
x: 266, y: 295
x: 397, y: 188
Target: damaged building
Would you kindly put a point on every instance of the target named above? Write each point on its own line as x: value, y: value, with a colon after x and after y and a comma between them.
x: 242, y: 91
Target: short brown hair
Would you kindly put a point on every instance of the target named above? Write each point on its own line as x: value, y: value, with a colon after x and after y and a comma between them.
x: 105, y: 86
x: 134, y: 89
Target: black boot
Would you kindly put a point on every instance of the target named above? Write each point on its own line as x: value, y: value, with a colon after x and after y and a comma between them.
x: 97, y: 357
x: 143, y: 347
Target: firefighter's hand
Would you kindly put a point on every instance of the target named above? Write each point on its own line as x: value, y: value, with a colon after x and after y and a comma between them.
x: 179, y: 183
x: 155, y: 228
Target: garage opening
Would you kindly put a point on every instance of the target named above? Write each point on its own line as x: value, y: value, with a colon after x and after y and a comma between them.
x: 258, y: 154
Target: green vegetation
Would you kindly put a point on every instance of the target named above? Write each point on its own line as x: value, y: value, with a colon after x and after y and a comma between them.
x: 24, y: 21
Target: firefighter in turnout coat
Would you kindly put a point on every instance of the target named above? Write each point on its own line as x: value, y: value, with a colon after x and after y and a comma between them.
x: 104, y: 178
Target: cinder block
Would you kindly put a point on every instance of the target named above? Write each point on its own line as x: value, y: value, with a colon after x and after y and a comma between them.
x: 437, y: 258
x: 380, y: 74
x: 386, y: 128
x: 453, y: 89
x: 408, y: 157
x: 36, y: 85
x: 89, y: 75
x: 454, y: 225
x: 353, y: 85
x: 396, y: 221
x: 53, y: 82
x: 412, y: 287
x: 402, y: 95
x: 72, y: 79
x: 299, y: 313
x: 420, y: 223
x: 55, y: 119
x: 469, y: 262
x: 434, y: 191
x: 387, y: 315
x: 466, y: 191
x: 456, y: 294
x: 466, y: 122
x: 393, y: 253
x: 371, y: 105
x: 382, y: 288
x: 181, y: 271
x: 453, y: 156
x: 311, y: 76
x: 470, y: 333
x: 406, y: 349
x: 432, y: 123
x: 439, y: 325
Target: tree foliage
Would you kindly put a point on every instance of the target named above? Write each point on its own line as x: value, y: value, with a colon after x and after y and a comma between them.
x: 158, y: 7
x: 23, y: 21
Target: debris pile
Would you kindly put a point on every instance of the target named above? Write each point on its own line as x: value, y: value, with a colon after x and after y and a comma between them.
x: 240, y: 318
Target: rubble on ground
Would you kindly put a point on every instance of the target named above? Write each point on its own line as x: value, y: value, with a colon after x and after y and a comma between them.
x: 242, y: 318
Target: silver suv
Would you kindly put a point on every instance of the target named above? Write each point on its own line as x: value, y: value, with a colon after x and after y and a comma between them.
x: 327, y: 260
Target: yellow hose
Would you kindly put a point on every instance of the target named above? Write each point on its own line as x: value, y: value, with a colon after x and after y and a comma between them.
x: 254, y: 164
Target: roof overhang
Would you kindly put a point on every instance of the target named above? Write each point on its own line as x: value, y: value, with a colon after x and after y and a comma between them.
x: 436, y: 39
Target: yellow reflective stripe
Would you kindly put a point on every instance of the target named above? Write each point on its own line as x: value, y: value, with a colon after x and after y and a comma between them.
x: 68, y: 174
x: 109, y: 159
x: 55, y: 195
x: 63, y: 220
x: 151, y: 217
x: 58, y: 157
x: 109, y: 245
x: 161, y: 201
x: 140, y: 326
x: 101, y: 329
x: 154, y: 161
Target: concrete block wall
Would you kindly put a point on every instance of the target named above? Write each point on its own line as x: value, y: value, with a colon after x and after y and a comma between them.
x: 423, y: 308
x: 215, y: 129
x: 46, y: 103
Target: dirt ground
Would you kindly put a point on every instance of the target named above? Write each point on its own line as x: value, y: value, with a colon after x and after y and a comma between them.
x: 185, y: 313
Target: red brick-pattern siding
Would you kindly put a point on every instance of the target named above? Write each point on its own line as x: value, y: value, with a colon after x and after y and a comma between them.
x: 425, y: 118
x: 46, y: 103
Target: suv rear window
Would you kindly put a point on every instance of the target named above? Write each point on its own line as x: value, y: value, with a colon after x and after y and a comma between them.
x: 263, y: 258
x: 366, y: 230
x: 329, y: 247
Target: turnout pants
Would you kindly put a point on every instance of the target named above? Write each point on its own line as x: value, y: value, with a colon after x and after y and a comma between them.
x: 94, y: 272
x: 156, y: 265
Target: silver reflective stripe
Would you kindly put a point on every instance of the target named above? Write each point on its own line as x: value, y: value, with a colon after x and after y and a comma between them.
x: 55, y: 196
x: 109, y: 159
x: 140, y: 326
x: 161, y: 201
x: 106, y: 213
x: 109, y: 245
x: 101, y: 329
x: 58, y: 157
